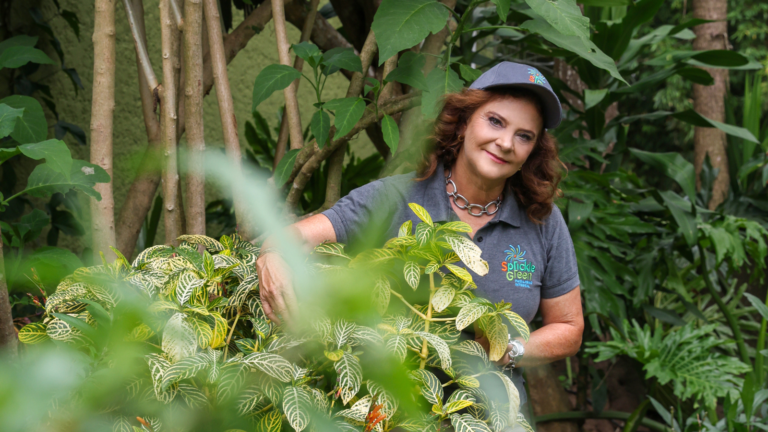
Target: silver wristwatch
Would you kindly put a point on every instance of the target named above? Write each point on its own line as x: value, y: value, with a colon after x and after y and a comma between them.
x: 515, y: 354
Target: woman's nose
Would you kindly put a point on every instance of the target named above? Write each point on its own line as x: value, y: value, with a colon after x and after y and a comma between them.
x: 506, y: 142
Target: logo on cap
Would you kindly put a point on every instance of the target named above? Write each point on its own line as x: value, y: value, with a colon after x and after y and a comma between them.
x: 536, y: 77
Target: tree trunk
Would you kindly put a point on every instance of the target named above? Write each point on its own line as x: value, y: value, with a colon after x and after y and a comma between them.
x: 102, y: 110
x: 298, y: 64
x: 9, y: 340
x: 547, y: 396
x: 226, y: 109
x: 168, y: 116
x: 193, y: 67
x: 709, y: 101
x: 144, y: 187
x: 291, y: 102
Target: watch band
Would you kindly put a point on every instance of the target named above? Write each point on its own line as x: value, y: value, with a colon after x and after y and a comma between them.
x: 515, y: 354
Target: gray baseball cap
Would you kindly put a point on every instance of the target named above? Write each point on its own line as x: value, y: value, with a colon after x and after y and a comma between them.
x: 509, y: 74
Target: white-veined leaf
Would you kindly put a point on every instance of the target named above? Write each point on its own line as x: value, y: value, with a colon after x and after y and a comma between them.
x: 332, y: 249
x: 342, y: 332
x: 431, y: 387
x: 186, y: 286
x: 184, y: 368
x: 467, y: 423
x: 456, y: 226
x: 372, y: 257
x: 424, y: 232
x: 272, y: 421
x: 179, y: 339
x: 350, y: 376
x: 442, y: 298
x: 412, y: 273
x: 296, y: 403
x: 468, y: 252
x: 210, y: 244
x: 405, y: 229
x: 33, y: 333
x: 498, y: 336
x: 470, y: 313
x: 398, y: 345
x: 440, y: 346
x: 271, y: 364
x: 519, y: 324
x: 512, y: 394
x: 421, y: 213
x: 192, y: 395
x: 381, y: 295
x: 461, y: 272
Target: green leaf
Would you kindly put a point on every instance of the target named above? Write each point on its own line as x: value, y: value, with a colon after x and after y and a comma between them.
x: 682, y: 213
x: 468, y: 74
x: 440, y: 346
x: 18, y: 56
x: 593, y: 97
x: 391, y: 133
x: 467, y: 423
x: 666, y: 315
x: 296, y: 403
x: 184, y: 368
x: 55, y: 152
x: 564, y: 15
x: 271, y: 364
x: 408, y: 71
x: 23, y: 40
x: 8, y: 116
x: 399, y: 25
x: 341, y: 58
x: 674, y: 166
x: 604, y: 3
x: 502, y: 8
x: 31, y: 224
x: 347, y: 112
x: 519, y: 324
x: 349, y: 375
x: 33, y: 333
x: 32, y: 127
x: 711, y: 58
x: 696, y: 119
x: 585, y: 49
x: 412, y: 273
x: 696, y: 75
x: 431, y: 387
x: 469, y: 314
x: 439, y: 83
x: 271, y: 422
x: 285, y: 166
x: 761, y: 308
x: 421, y: 213
x: 45, y: 181
x: 271, y: 79
x: 309, y: 52
x: 320, y: 125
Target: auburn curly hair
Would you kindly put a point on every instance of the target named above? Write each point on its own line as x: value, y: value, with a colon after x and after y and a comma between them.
x: 535, y: 186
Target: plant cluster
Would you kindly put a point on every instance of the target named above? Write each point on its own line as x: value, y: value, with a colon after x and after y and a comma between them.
x: 211, y: 341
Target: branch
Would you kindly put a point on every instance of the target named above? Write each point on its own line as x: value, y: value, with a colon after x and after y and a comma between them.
x: 136, y: 21
x: 170, y: 48
x: 9, y: 340
x: 177, y: 18
x: 305, y: 171
x: 144, y: 187
x: 291, y: 102
x: 193, y: 95
x: 226, y: 107
x: 336, y: 161
x: 102, y: 117
x: 298, y: 64
x: 324, y: 35
x: 433, y: 44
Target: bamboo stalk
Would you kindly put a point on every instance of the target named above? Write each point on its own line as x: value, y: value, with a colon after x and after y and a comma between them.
x: 193, y: 95
x: 291, y: 102
x: 226, y: 107
x: 298, y: 64
x: 102, y: 113
x: 168, y: 116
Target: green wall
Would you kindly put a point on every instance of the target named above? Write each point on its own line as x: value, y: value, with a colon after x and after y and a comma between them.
x: 129, y: 133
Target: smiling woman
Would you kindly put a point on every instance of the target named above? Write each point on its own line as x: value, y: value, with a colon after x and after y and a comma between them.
x: 492, y: 165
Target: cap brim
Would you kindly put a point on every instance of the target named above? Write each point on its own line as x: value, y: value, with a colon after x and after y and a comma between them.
x: 553, y: 112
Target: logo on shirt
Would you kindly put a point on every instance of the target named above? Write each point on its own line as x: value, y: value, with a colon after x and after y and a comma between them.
x: 536, y: 77
x: 517, y: 267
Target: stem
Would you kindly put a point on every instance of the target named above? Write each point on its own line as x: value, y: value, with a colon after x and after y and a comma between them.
x: 617, y: 415
x: 732, y: 322
x: 490, y: 28
x: 193, y: 69
x: 232, y: 330
x: 298, y: 64
x: 458, y: 32
x: 424, y: 346
x: 140, y: 42
x: 291, y: 102
x: 226, y: 109
x: 168, y: 118
x: 400, y: 296
x: 761, y: 346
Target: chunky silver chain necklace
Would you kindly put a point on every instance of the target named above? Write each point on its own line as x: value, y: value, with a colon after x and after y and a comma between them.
x: 466, y: 205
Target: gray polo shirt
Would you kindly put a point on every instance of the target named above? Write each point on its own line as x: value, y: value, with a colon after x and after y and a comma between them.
x: 527, y: 261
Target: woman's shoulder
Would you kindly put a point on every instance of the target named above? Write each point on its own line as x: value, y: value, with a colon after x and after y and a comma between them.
x: 399, y: 184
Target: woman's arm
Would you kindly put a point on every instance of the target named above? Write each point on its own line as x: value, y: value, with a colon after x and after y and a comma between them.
x: 275, y: 285
x: 558, y: 338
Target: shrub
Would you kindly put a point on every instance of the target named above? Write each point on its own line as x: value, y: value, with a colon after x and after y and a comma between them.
x: 211, y: 341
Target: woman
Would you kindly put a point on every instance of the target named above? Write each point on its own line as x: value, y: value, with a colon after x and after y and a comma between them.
x: 495, y: 167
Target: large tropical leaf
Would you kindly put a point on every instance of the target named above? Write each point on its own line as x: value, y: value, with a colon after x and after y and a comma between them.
x: 296, y: 402
x: 271, y: 364
x: 271, y: 79
x: 350, y: 376
x: 399, y: 25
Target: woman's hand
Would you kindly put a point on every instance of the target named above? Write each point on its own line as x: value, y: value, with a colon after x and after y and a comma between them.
x: 275, y: 287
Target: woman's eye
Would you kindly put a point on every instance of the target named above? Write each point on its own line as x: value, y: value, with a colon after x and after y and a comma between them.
x: 526, y: 137
x: 494, y: 121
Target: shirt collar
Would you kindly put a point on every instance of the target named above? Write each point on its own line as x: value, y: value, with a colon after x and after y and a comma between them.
x: 437, y: 202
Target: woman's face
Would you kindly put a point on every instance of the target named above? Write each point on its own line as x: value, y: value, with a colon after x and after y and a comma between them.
x: 499, y: 137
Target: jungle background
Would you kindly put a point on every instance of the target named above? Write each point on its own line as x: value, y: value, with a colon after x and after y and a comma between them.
x: 665, y: 147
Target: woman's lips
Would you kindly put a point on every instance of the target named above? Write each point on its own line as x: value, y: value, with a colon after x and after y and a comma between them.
x: 496, y: 158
